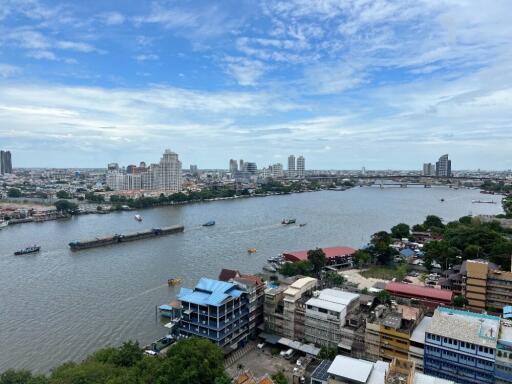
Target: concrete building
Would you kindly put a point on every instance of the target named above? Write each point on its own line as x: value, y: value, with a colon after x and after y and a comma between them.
x: 417, y: 343
x: 193, y: 169
x: 164, y: 176
x: 291, y: 166
x: 388, y: 331
x: 427, y: 297
x: 429, y: 169
x: 326, y: 314
x: 285, y: 307
x: 215, y: 310
x: 5, y: 162
x: 486, y: 288
x: 444, y: 167
x: 233, y: 166
x: 503, y: 369
x: 461, y: 346
x: 347, y: 370
x: 250, y: 167
x: 301, y: 166
x: 277, y: 170
x: 255, y: 288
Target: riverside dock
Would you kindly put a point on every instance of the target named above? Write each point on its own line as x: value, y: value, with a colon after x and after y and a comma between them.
x: 120, y: 238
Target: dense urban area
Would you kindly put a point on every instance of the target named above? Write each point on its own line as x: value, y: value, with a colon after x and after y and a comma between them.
x: 424, y: 304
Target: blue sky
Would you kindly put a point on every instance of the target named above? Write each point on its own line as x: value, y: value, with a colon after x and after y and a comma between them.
x: 382, y: 84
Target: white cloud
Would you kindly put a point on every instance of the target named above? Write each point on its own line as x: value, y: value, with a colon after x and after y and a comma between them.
x: 112, y: 18
x: 42, y: 55
x: 7, y: 70
x: 245, y: 71
x: 146, y: 57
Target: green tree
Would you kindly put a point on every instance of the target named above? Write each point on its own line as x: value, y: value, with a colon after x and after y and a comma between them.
x: 433, y: 221
x: 383, y: 297
x: 327, y: 353
x: 14, y: 192
x: 334, y: 279
x: 63, y: 195
x: 66, y: 206
x: 192, y: 361
x: 279, y: 378
x: 380, y: 247
x: 361, y: 258
x: 400, y: 231
x: 401, y: 271
x: 472, y: 251
x: 21, y: 377
x: 459, y: 301
x: 317, y: 259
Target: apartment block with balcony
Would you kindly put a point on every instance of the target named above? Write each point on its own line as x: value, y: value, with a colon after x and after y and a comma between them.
x: 461, y: 346
x: 486, y: 287
x: 326, y: 314
x: 215, y: 310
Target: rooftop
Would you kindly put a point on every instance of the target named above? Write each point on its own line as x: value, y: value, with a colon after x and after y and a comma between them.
x: 467, y: 326
x: 209, y: 292
x: 329, y: 305
x: 338, y: 296
x: 417, y: 291
x: 330, y: 252
x: 352, y: 369
x: 418, y: 335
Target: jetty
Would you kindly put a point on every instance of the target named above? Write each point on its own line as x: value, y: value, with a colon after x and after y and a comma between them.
x: 122, y: 238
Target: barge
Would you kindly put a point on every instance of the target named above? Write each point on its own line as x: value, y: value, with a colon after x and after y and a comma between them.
x: 120, y: 238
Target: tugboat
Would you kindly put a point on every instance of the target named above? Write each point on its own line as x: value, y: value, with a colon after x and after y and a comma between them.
x: 288, y: 221
x: 209, y: 223
x: 33, y: 249
x: 251, y: 250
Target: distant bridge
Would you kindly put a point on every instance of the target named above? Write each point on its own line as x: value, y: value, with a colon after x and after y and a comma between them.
x: 420, y: 179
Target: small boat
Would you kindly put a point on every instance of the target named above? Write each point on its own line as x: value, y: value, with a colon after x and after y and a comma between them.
x: 251, y: 250
x: 442, y: 200
x: 302, y: 224
x: 33, y: 249
x: 3, y: 224
x: 288, y: 221
x: 269, y: 268
x: 174, y: 281
x: 209, y: 223
x: 483, y: 202
x: 138, y: 218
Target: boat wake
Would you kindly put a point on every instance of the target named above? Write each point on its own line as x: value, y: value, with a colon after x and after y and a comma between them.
x: 143, y: 293
x: 257, y: 228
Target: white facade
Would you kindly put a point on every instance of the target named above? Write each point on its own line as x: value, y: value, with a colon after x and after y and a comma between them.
x: 325, y: 316
x: 291, y: 165
x: 301, y: 166
x: 277, y: 170
x: 164, y: 176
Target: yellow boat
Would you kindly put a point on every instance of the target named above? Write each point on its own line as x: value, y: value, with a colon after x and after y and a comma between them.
x: 175, y: 281
x: 251, y: 250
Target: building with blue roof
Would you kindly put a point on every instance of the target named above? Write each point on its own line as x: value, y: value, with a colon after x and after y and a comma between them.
x: 216, y: 310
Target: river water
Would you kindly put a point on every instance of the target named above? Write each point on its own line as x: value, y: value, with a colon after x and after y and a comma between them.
x: 60, y: 305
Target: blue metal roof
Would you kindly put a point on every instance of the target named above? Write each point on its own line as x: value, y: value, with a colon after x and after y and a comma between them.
x: 209, y: 292
x: 407, y: 252
x: 166, y: 307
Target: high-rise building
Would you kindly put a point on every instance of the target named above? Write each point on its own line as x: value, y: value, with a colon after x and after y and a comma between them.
x: 291, y: 165
x: 5, y: 162
x: 301, y: 166
x: 193, y: 169
x: 276, y: 170
x: 250, y: 167
x: 233, y: 166
x: 164, y: 176
x: 444, y: 167
x: 241, y: 167
x: 429, y: 169
x: 169, y: 172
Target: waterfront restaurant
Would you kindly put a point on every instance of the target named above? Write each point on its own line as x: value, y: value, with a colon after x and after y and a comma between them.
x: 340, y: 257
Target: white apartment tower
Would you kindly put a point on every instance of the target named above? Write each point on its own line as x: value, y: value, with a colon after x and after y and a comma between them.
x: 291, y: 165
x: 168, y: 172
x: 301, y: 166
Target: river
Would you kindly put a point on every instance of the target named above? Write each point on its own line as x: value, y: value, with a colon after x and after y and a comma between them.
x: 59, y: 305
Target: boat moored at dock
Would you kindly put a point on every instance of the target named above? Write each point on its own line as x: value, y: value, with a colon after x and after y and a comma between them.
x: 120, y: 238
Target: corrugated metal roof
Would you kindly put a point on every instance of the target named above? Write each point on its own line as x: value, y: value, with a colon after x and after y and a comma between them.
x: 209, y: 292
x: 330, y: 252
x: 349, y: 368
x: 329, y: 305
x: 420, y: 292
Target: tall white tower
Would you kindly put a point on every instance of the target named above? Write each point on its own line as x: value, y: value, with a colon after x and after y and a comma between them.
x: 301, y: 166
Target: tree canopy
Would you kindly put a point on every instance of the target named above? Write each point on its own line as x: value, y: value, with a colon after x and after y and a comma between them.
x: 400, y: 231
x: 317, y: 259
x: 66, y: 206
x: 14, y: 192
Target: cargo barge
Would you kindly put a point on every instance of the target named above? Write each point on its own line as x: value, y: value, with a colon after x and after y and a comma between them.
x: 120, y: 238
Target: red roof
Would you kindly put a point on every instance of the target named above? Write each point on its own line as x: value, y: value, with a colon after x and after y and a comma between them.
x: 330, y: 252
x: 412, y: 290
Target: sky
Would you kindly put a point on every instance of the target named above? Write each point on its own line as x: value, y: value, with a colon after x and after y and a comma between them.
x: 381, y: 84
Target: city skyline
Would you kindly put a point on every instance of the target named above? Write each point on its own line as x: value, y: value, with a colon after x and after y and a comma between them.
x: 380, y: 84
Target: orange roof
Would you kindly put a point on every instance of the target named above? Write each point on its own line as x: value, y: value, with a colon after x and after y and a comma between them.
x: 411, y: 290
x: 244, y: 378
